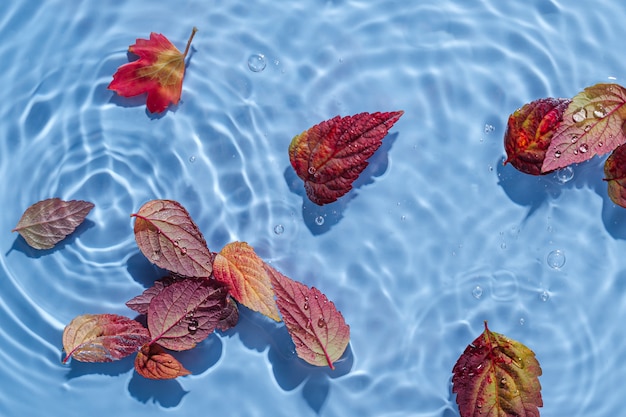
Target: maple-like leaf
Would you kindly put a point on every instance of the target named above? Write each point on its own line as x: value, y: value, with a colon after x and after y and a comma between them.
x: 592, y: 125
x: 239, y: 267
x: 154, y: 363
x: 102, y: 337
x: 316, y: 327
x: 159, y: 72
x: 332, y: 154
x: 170, y: 239
x: 529, y: 133
x: 615, y: 175
x: 497, y: 376
x: 47, y: 222
x: 185, y: 312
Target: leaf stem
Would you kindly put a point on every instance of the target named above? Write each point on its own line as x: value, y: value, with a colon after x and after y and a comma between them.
x: 193, y: 33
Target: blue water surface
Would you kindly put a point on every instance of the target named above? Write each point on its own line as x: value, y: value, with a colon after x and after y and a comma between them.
x: 437, y: 236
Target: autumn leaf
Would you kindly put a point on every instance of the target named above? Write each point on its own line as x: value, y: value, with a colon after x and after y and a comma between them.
x: 592, y: 125
x: 159, y: 72
x: 529, y: 133
x: 169, y: 238
x: 497, y: 376
x: 102, y: 337
x: 331, y: 155
x: 141, y: 302
x: 185, y: 312
x: 47, y: 222
x: 316, y: 327
x: 239, y: 267
x: 154, y: 363
x: 615, y: 175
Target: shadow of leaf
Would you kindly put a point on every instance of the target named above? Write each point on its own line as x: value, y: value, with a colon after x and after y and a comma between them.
x: 168, y: 393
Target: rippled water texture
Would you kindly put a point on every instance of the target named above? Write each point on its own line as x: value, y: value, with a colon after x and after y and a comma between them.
x: 437, y: 237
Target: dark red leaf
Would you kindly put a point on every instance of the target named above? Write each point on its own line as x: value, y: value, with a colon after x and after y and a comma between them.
x: 615, y: 175
x: 102, y: 337
x: 141, y: 303
x: 47, y: 222
x: 185, y: 312
x: 170, y: 239
x: 316, y: 327
x: 497, y: 376
x: 331, y: 155
x: 154, y: 363
x: 529, y: 133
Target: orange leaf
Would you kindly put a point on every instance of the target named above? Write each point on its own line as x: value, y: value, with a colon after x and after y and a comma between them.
x: 154, y: 363
x: 159, y: 72
x: 239, y: 267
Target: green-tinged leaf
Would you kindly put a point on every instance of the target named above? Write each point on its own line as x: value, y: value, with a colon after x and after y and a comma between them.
x: 102, y: 337
x: 316, y: 327
x: 239, y: 267
x: 592, y: 125
x: 331, y: 155
x: 154, y: 363
x: 615, y: 175
x: 47, y: 222
x: 529, y: 132
x: 497, y: 377
x: 169, y: 238
x: 185, y: 312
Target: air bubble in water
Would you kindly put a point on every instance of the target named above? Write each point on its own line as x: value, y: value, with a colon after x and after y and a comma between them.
x: 256, y: 62
x: 489, y: 128
x: 477, y: 292
x: 279, y: 229
x: 565, y: 174
x: 556, y: 259
x: 544, y: 295
x: 579, y: 115
x: 522, y: 321
x: 319, y: 220
x: 192, y: 159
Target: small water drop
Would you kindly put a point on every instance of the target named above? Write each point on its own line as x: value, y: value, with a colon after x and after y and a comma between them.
x: 556, y: 259
x: 575, y: 151
x: 522, y: 321
x: 600, y: 144
x: 279, y: 229
x: 183, y: 251
x: 312, y: 170
x: 583, y: 148
x: 256, y: 62
x: 600, y: 111
x: 477, y: 292
x: 564, y: 175
x: 319, y: 220
x: 192, y: 326
x: 587, y: 128
x: 503, y: 245
x: 579, y: 115
x: 305, y: 305
x: 176, y: 242
x: 557, y: 154
x: 574, y: 139
x: 489, y: 128
x: 402, y: 218
x: 321, y: 322
x: 544, y: 295
x: 192, y: 159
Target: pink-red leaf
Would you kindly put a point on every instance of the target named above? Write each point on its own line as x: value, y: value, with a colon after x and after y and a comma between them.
x: 316, y: 327
x: 141, y: 303
x: 497, y: 376
x: 154, y: 363
x: 102, y: 337
x: 170, y: 239
x: 615, y: 175
x: 239, y: 267
x: 47, y: 222
x: 159, y: 72
x: 592, y: 125
x: 332, y: 154
x: 185, y: 312
x: 529, y: 133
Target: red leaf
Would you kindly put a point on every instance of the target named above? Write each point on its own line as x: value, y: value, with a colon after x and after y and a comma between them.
x: 159, y: 72
x: 316, y: 327
x: 529, y: 132
x: 592, y: 125
x: 239, y: 267
x: 170, y: 239
x: 615, y: 172
x: 331, y: 155
x: 102, y: 337
x: 141, y: 302
x: 186, y: 312
x: 47, y: 222
x: 497, y: 376
x: 154, y: 363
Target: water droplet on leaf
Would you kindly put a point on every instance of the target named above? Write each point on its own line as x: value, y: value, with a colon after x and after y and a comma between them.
x: 583, y: 148
x: 557, y: 154
x: 600, y: 111
x: 321, y: 322
x: 579, y: 115
x: 587, y: 128
x: 305, y: 305
x: 256, y: 62
x: 574, y: 138
x: 192, y: 326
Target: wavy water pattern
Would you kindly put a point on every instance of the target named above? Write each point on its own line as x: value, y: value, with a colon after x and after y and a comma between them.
x: 436, y: 236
